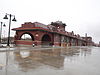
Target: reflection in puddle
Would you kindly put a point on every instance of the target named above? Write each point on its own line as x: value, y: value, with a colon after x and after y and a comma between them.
x: 38, y: 58
x: 55, y: 61
x: 24, y: 54
x: 54, y: 58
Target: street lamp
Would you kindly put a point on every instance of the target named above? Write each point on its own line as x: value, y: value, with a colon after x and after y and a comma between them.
x: 1, y: 30
x: 9, y: 25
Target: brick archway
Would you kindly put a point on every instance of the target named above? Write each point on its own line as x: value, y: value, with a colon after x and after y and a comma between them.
x: 32, y: 37
x: 46, y: 40
x: 19, y: 41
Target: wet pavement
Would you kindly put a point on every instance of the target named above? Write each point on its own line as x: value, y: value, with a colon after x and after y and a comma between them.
x: 50, y: 61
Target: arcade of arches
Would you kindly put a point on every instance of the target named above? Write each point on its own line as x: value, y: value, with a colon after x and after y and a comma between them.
x: 37, y: 38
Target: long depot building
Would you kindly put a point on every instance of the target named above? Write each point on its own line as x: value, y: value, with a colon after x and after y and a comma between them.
x: 53, y: 34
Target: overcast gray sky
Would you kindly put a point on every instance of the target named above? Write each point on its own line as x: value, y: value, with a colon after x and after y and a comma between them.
x: 81, y: 16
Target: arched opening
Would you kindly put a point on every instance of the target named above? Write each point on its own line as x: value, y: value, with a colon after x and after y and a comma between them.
x: 27, y: 37
x: 46, y: 40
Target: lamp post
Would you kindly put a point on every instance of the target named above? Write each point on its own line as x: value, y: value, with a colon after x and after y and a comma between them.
x: 1, y: 31
x: 9, y: 25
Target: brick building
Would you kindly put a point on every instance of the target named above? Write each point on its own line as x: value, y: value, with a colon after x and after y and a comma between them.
x: 53, y: 34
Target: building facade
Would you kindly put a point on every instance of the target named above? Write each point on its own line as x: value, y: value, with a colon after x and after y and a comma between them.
x: 53, y: 34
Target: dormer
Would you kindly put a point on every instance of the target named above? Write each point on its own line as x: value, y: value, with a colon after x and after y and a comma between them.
x: 59, y: 25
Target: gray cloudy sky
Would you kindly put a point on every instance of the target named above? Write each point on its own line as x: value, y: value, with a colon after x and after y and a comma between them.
x: 81, y: 16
